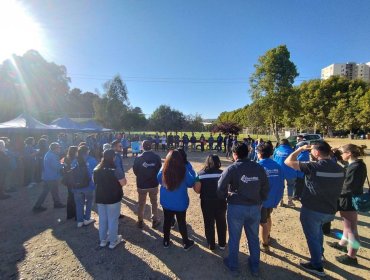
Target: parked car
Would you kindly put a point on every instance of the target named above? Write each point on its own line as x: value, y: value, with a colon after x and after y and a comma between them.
x: 309, y: 139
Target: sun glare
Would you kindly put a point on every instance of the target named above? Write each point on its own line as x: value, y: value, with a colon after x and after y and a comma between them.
x: 19, y: 32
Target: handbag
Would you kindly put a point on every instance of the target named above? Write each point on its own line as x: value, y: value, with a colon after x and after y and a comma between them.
x: 362, y: 202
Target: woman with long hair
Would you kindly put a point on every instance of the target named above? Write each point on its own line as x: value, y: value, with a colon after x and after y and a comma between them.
x: 175, y: 180
x: 353, y: 185
x: 109, y: 181
x: 69, y: 161
x: 84, y: 195
x: 213, y: 208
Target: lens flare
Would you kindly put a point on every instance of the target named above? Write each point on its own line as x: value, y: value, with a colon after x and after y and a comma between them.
x: 18, y: 29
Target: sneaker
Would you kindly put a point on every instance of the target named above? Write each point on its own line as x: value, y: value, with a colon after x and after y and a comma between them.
x: 337, y: 246
x: 39, y: 209
x: 113, y: 245
x: 140, y: 224
x: 189, y: 245
x: 234, y: 272
x: 80, y: 224
x: 347, y: 260
x: 291, y: 203
x: 103, y: 243
x: 89, y: 221
x: 173, y: 223
x: 166, y: 244
x: 156, y: 224
x: 222, y: 248
x: 59, y: 205
x: 265, y: 248
x: 317, y: 271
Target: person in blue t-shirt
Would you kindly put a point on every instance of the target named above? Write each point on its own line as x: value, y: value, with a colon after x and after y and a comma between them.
x: 276, y: 183
x: 175, y: 180
x: 290, y: 175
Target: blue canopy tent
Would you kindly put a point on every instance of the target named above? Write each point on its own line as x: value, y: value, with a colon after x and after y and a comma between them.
x: 93, y: 126
x: 66, y: 123
x: 26, y: 123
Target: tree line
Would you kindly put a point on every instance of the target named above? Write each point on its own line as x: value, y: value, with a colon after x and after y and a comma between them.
x: 320, y: 105
x: 30, y: 84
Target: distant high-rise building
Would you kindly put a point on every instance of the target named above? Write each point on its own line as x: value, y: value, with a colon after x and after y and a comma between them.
x: 351, y: 70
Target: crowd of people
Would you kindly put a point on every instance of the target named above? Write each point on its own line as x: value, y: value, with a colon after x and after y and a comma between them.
x: 242, y: 196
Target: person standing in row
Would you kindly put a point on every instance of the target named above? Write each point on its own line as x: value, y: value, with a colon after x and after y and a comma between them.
x: 68, y: 163
x: 51, y: 176
x: 219, y: 142
x: 175, y: 181
x: 146, y: 167
x: 4, y: 169
x: 202, y: 140
x: 185, y: 142
x: 84, y: 194
x: 176, y: 139
x: 193, y: 141
x: 213, y: 208
x: 156, y: 142
x: 109, y: 181
x: 164, y: 143
x: 245, y: 185
x: 324, y: 180
x: 356, y: 173
x: 280, y: 154
x: 276, y: 183
x: 211, y: 140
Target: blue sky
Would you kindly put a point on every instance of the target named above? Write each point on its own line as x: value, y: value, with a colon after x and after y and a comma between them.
x: 196, y: 56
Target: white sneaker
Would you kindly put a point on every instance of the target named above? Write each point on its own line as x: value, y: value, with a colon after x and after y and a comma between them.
x: 113, y: 245
x: 103, y: 243
x: 90, y: 221
x: 80, y: 224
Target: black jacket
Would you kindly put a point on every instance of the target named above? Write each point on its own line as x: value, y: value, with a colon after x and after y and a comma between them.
x: 146, y: 167
x: 244, y: 182
x: 108, y: 188
x: 355, y: 178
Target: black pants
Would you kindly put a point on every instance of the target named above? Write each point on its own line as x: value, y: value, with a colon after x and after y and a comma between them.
x: 298, y: 188
x: 71, y: 205
x: 181, y: 221
x: 214, y: 210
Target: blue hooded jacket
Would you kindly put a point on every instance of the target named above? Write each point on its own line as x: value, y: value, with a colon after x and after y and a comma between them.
x: 276, y: 182
x: 280, y: 154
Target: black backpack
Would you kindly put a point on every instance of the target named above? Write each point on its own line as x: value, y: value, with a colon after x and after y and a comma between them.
x: 78, y: 177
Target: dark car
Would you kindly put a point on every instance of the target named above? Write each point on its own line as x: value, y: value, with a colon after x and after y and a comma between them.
x: 309, y: 139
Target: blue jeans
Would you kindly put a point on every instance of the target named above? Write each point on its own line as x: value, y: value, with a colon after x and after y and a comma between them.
x: 290, y: 183
x: 82, y: 199
x: 312, y: 222
x: 239, y: 216
x: 108, y: 221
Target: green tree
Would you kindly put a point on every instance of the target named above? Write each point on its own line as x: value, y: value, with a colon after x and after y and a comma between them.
x: 31, y: 84
x: 165, y: 119
x: 272, y: 83
x: 194, y: 123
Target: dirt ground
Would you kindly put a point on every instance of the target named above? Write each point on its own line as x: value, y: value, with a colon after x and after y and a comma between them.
x: 46, y: 246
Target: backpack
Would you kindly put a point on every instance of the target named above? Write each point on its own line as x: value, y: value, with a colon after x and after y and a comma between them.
x: 78, y: 177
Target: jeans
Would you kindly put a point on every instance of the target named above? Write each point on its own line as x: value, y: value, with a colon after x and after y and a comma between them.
x: 82, y: 199
x: 247, y: 216
x: 108, y: 221
x: 49, y: 186
x: 290, y: 183
x: 153, y: 195
x: 214, y: 210
x: 312, y: 222
x: 181, y: 220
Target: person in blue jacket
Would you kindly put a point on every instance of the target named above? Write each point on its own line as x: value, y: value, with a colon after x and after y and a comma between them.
x: 51, y: 176
x: 175, y: 180
x: 303, y: 156
x: 290, y: 175
x: 276, y: 183
x: 84, y: 196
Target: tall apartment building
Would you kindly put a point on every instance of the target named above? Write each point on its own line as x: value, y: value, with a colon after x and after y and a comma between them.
x: 351, y: 70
